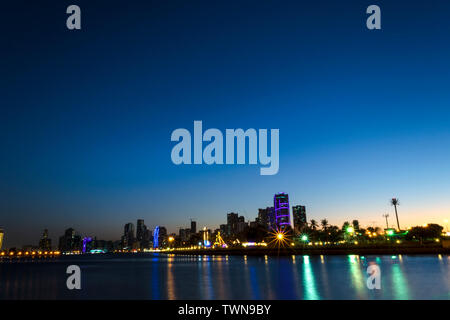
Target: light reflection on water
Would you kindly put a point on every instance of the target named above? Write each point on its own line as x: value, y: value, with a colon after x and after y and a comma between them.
x: 159, y: 276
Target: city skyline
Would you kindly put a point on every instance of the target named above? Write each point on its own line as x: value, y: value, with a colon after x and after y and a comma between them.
x: 135, y: 231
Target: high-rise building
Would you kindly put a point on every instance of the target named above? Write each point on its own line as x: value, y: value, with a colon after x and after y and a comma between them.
x: 45, y: 244
x: 145, y: 243
x: 70, y: 241
x: 263, y: 218
x: 241, y: 225
x: 266, y: 218
x: 193, y: 227
x: 232, y: 223
x: 128, y: 236
x: 299, y: 217
x: 281, y: 205
x: 2, y: 233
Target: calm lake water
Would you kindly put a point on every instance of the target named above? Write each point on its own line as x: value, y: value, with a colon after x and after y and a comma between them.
x: 161, y: 276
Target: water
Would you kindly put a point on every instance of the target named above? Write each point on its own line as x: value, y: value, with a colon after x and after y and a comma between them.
x: 160, y: 276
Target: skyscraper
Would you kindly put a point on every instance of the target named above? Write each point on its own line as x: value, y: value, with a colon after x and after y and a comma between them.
x: 266, y: 218
x: 281, y: 204
x: 140, y: 229
x: 299, y: 217
x: 128, y: 236
x: 232, y: 223
x: 193, y: 227
x: 45, y: 244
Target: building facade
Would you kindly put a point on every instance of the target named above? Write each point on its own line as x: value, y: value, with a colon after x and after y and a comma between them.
x: 299, y: 217
x: 281, y: 205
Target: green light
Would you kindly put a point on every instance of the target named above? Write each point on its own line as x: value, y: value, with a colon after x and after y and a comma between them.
x: 350, y: 230
x: 304, y: 237
x: 390, y: 232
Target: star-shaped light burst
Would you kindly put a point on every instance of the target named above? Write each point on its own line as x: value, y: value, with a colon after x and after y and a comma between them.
x: 279, y: 237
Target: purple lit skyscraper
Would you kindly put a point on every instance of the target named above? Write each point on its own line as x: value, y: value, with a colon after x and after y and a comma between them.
x: 281, y: 204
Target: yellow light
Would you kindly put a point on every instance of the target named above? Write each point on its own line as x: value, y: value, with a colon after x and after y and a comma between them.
x: 280, y: 236
x: 171, y: 239
x: 425, y: 225
x: 292, y: 244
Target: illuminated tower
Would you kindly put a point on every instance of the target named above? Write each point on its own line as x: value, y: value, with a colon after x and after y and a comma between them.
x: 156, y: 238
x: 281, y: 204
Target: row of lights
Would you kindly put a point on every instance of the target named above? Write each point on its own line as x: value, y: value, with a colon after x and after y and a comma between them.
x: 32, y: 253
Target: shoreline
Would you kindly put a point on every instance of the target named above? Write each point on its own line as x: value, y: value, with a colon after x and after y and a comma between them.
x: 317, y: 251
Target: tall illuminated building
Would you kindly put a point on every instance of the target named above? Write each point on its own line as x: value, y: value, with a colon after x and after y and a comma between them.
x: 281, y: 205
x: 299, y: 217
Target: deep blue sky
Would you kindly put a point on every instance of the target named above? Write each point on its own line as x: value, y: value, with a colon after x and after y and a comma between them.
x: 86, y: 116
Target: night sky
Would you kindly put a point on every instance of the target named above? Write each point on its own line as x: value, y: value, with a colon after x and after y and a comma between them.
x: 86, y: 116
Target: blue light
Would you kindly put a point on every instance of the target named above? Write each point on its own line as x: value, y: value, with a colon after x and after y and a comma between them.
x: 156, y: 237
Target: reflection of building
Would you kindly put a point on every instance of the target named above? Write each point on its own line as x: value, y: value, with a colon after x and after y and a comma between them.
x: 299, y: 217
x: 45, y: 244
x: 2, y: 233
x: 281, y: 204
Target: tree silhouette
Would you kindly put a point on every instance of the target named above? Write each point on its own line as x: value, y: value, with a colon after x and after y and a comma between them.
x: 324, y: 223
x: 395, y: 202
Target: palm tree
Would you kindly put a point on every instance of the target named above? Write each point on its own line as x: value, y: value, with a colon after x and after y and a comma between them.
x: 395, y: 202
x: 313, y: 224
x: 324, y: 223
